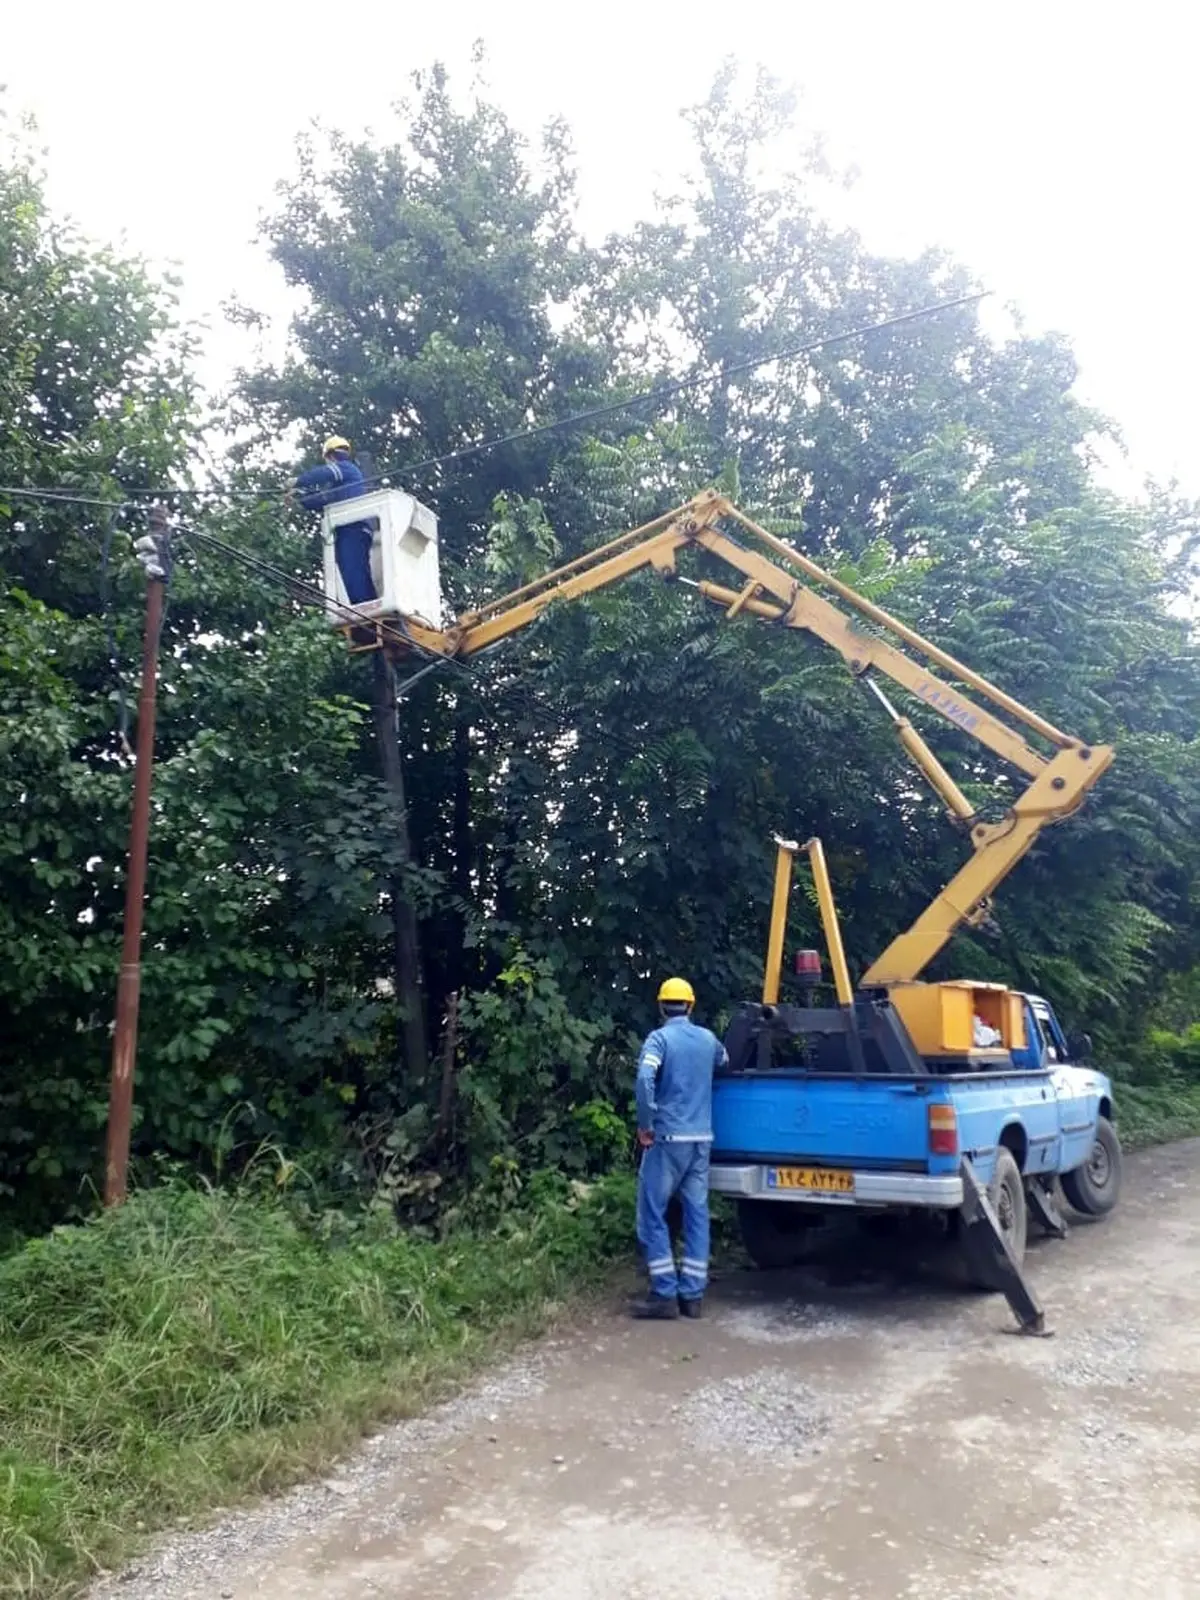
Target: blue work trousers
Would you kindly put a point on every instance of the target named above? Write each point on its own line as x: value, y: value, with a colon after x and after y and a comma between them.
x: 672, y: 1167
x: 352, y: 545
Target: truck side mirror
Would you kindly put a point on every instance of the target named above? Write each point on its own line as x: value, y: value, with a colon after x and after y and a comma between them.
x: 1080, y: 1046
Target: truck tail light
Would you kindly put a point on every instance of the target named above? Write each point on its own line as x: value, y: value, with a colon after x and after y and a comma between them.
x: 943, y: 1131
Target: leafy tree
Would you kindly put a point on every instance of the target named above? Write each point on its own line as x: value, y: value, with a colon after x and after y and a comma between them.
x: 604, y: 781
x: 262, y: 1013
x: 92, y: 386
x: 436, y: 272
x: 590, y: 806
x: 937, y: 471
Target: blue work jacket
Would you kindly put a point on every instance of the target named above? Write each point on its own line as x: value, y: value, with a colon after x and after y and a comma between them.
x: 674, y: 1081
x: 336, y: 480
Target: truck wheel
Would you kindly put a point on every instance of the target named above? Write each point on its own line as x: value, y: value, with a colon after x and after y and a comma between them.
x: 1095, y: 1187
x: 1006, y: 1192
x: 774, y: 1232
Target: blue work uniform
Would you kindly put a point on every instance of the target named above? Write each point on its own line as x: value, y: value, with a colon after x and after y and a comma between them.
x: 674, y: 1102
x: 324, y: 486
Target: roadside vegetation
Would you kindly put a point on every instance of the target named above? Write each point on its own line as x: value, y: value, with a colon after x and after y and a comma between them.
x: 197, y: 1346
x: 1159, y: 1090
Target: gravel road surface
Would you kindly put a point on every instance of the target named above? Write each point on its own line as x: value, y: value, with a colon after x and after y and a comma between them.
x: 855, y: 1434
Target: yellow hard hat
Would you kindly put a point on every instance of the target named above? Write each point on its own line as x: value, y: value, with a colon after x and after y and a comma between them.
x: 678, y: 990
x: 335, y: 442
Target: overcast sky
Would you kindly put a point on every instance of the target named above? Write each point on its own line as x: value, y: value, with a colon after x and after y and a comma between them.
x: 1053, y: 147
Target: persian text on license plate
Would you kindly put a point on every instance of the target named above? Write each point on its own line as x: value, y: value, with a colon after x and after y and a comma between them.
x: 817, y: 1180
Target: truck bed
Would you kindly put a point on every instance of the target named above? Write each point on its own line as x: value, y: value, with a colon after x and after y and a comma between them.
x: 839, y: 1140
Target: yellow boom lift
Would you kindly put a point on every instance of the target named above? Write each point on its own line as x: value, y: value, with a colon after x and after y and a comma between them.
x: 407, y: 619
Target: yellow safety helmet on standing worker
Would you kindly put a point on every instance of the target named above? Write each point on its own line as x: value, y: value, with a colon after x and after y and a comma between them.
x: 335, y: 442
x: 676, y: 991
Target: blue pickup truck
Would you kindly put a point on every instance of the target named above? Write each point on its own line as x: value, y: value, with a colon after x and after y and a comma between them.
x: 832, y: 1109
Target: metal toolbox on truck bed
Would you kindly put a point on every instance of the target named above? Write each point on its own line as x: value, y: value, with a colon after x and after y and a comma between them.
x: 940, y: 1017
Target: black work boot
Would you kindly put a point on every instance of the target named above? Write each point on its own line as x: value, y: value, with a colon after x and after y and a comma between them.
x: 692, y: 1307
x: 655, y: 1308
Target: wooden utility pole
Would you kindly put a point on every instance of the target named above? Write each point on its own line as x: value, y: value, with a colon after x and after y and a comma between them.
x: 406, y: 934
x: 154, y: 554
x: 446, y: 1092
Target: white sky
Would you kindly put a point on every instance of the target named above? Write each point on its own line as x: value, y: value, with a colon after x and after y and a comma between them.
x: 1053, y: 147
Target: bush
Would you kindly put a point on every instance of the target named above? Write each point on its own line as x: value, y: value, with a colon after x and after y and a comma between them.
x: 1179, y: 1053
x: 538, y: 1085
x: 1164, y: 1058
x: 1148, y: 1115
x: 195, y: 1345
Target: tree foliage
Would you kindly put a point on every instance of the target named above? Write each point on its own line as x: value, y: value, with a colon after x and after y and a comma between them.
x: 592, y: 805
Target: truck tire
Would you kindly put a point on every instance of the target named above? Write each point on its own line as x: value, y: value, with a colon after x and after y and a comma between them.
x: 1006, y: 1192
x: 1094, y: 1188
x: 774, y: 1232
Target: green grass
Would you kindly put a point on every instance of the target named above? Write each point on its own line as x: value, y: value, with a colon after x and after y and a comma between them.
x: 1156, y: 1113
x: 193, y: 1348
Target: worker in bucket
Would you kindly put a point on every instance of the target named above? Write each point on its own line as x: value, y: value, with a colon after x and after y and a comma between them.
x: 340, y: 479
x: 674, y: 1112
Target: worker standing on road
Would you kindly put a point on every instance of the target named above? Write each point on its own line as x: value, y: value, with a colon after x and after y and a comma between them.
x: 674, y: 1108
x: 340, y: 479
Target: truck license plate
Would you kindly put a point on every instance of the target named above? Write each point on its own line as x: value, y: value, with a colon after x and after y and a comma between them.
x: 817, y: 1180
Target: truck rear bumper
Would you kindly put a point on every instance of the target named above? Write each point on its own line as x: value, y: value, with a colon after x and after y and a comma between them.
x: 870, y: 1188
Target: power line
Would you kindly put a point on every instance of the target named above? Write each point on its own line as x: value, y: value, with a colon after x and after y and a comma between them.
x: 399, y: 634
x: 593, y: 414
x: 309, y: 592
x: 69, y: 497
x: 520, y: 699
x: 554, y: 718
x: 666, y: 391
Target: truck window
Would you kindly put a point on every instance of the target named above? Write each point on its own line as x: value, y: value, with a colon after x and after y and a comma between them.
x: 1034, y: 1054
x: 1055, y: 1037
x: 1046, y: 1032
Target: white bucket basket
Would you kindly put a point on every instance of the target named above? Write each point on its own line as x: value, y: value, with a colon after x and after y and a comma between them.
x: 404, y: 559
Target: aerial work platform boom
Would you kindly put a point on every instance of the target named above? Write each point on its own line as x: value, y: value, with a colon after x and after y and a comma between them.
x: 1061, y: 769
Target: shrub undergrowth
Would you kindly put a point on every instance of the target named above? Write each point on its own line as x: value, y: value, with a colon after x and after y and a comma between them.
x: 1154, y: 1114
x: 197, y: 1345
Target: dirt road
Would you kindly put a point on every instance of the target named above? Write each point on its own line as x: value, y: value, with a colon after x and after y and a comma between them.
x: 872, y: 1441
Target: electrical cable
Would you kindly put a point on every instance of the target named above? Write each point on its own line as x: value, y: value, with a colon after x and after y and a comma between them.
x: 594, y: 413
x: 308, y: 592
x: 666, y: 391
x: 552, y: 718
x: 555, y: 720
x: 518, y: 699
x: 69, y: 497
